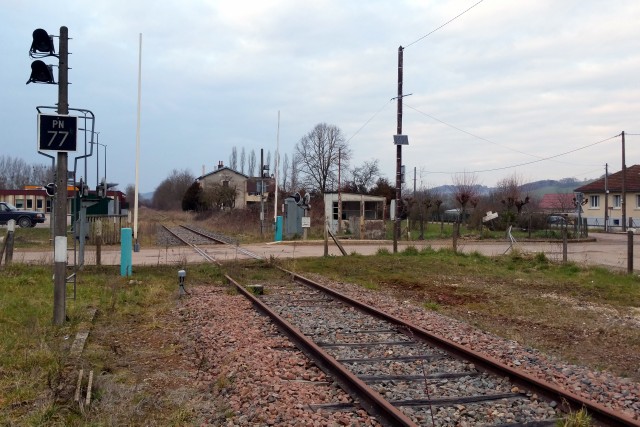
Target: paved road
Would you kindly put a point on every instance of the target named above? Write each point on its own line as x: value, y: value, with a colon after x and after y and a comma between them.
x: 608, y: 250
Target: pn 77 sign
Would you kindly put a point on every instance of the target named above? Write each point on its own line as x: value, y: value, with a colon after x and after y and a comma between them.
x: 57, y: 133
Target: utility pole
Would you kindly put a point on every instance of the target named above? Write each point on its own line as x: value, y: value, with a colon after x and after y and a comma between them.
x: 261, y: 191
x: 339, y: 192
x: 396, y: 225
x: 624, y: 188
x: 606, y: 197
x: 60, y: 201
x: 414, y: 181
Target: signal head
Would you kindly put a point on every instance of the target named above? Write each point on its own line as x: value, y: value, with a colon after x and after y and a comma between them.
x: 42, y: 43
x: 41, y: 73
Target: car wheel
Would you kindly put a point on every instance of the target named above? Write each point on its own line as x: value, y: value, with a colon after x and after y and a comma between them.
x: 24, y: 222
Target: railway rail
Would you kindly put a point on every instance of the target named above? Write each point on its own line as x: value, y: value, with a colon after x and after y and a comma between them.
x: 194, y: 238
x: 406, y: 375
x: 399, y: 372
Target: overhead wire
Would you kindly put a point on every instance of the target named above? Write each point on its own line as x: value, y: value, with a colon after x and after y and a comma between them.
x: 367, y: 122
x: 477, y: 136
x: 533, y: 161
x: 468, y: 133
x: 446, y: 23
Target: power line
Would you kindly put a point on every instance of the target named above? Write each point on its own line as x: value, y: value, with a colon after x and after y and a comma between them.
x: 449, y: 21
x: 482, y: 138
x: 531, y: 162
x: 367, y: 122
x: 470, y: 134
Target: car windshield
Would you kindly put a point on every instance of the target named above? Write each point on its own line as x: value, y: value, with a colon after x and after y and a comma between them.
x: 11, y: 207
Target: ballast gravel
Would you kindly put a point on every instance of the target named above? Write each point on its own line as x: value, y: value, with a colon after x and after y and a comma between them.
x: 252, y: 376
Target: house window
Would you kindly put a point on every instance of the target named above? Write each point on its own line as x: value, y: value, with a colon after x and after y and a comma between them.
x: 29, y: 203
x: 617, y: 201
x: 637, y: 200
x: 20, y: 203
x: 39, y: 204
x: 225, y: 183
x: 335, y: 210
x: 595, y: 201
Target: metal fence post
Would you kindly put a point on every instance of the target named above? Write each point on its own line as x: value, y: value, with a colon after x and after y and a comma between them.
x: 630, y: 251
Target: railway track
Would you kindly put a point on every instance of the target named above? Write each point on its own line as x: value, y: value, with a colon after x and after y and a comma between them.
x: 399, y: 372
x: 405, y: 375
x: 194, y: 238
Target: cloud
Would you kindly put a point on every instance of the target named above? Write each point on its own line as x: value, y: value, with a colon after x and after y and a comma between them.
x: 526, y: 80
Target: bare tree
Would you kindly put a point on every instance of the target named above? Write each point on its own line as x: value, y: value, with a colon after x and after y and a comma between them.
x: 170, y: 192
x: 243, y: 159
x: 233, y: 159
x: 365, y: 176
x: 465, y: 191
x: 268, y: 161
x: 16, y: 173
x: 508, y: 194
x: 252, y: 163
x: 317, y: 155
x: 219, y: 196
x: 284, y: 177
x: 295, y: 183
x: 42, y: 174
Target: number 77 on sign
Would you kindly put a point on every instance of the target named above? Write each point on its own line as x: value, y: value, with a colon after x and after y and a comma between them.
x: 57, y: 132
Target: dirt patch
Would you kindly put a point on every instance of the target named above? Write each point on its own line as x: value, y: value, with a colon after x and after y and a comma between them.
x: 445, y: 293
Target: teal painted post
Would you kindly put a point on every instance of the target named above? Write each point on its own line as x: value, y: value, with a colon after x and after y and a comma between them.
x: 278, y: 229
x: 125, y: 251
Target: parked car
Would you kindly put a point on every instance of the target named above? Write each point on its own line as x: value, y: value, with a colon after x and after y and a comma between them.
x: 24, y: 219
x: 556, y: 220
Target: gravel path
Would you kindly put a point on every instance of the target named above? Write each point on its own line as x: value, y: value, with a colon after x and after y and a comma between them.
x: 255, y: 377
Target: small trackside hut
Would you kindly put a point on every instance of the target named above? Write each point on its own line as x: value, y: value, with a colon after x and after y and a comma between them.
x: 359, y: 215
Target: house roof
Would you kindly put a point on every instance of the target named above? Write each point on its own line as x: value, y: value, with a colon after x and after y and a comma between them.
x: 222, y: 169
x: 614, y: 182
x: 556, y: 201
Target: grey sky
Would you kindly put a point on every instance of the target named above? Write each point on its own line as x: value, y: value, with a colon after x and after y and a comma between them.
x: 513, y: 82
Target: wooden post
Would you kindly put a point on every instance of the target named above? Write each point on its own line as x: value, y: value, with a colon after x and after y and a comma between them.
x: 326, y: 238
x: 564, y: 243
x: 98, y: 235
x: 11, y: 226
x: 456, y: 227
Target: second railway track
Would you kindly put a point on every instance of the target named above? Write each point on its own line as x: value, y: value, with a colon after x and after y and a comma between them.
x: 194, y: 237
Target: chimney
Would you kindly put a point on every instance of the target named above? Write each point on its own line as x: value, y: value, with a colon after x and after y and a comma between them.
x: 220, y: 164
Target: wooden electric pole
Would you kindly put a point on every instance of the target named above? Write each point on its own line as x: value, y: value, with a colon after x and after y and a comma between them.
x: 624, y: 188
x: 396, y: 225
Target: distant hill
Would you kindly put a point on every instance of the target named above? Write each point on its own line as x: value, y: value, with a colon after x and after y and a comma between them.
x: 549, y: 186
x: 146, y: 196
x: 534, y: 189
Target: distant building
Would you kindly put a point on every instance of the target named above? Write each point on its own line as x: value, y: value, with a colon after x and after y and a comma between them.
x: 557, y: 203
x: 34, y: 198
x: 607, y: 193
x: 248, y: 189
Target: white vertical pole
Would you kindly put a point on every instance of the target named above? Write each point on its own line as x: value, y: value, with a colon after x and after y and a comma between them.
x: 135, y: 203
x: 277, y: 162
